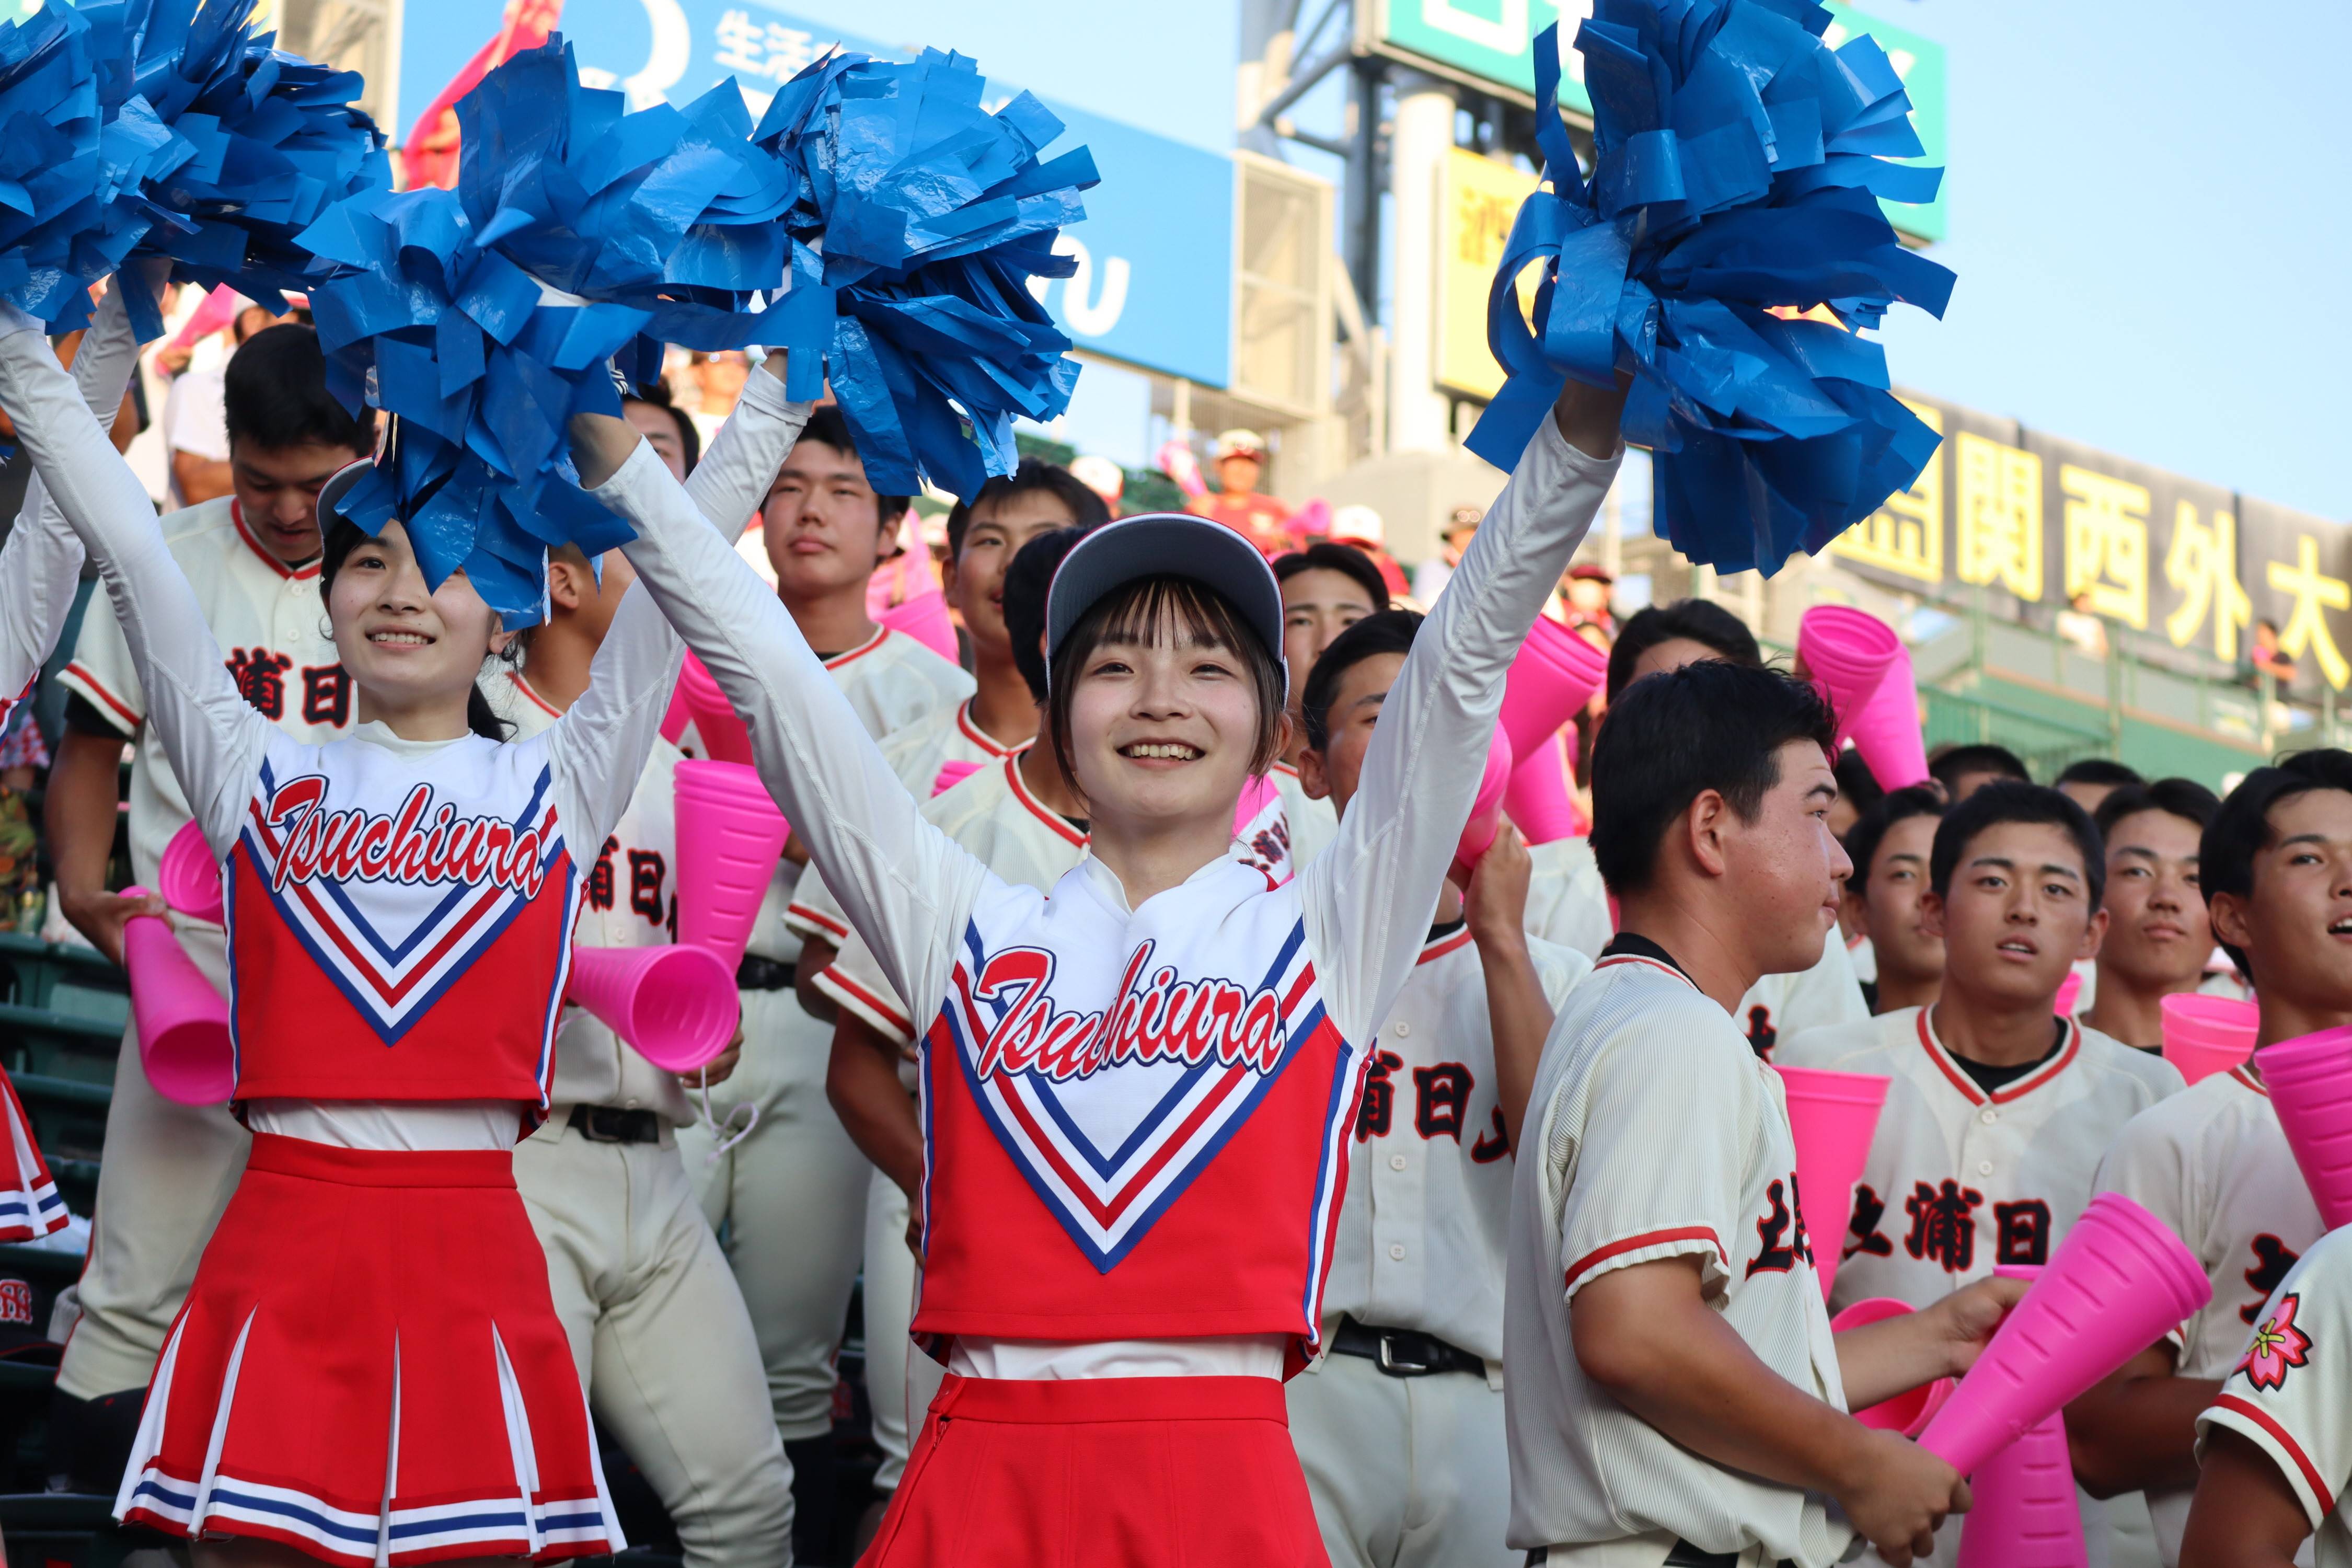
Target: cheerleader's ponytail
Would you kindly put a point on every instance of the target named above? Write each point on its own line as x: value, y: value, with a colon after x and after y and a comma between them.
x: 482, y: 719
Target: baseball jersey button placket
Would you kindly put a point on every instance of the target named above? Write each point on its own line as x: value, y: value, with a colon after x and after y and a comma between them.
x: 1396, y: 1252
x: 1987, y: 1116
x: 1396, y: 1161
x: 1984, y: 1167
x: 1403, y: 1030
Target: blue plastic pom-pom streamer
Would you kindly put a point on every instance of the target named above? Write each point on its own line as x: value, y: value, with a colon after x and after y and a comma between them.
x: 1738, y: 164
x: 918, y: 220
x: 580, y: 236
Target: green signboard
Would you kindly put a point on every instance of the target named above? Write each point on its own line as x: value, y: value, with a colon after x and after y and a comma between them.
x: 1490, y: 44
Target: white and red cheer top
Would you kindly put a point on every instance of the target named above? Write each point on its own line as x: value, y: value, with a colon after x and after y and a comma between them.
x: 1137, y: 1119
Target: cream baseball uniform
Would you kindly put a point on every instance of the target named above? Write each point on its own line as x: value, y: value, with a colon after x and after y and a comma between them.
x: 917, y: 750
x: 1309, y: 823
x: 1415, y: 1470
x: 792, y: 1195
x: 992, y: 814
x: 167, y: 1169
x: 658, y: 1329
x: 2212, y: 1163
x: 1654, y: 1132
x: 1567, y: 904
x: 2286, y: 1394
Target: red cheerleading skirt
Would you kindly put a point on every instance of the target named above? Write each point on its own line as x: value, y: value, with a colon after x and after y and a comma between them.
x: 1117, y: 1472
x: 29, y: 1205
x: 369, y: 1361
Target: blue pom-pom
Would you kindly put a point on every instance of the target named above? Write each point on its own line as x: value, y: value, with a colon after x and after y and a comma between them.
x: 1740, y: 161
x: 916, y: 222
x: 55, y: 233
x: 484, y: 317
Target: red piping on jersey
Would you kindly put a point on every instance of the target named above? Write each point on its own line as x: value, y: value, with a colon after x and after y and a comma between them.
x: 1585, y: 1264
x: 1051, y: 819
x: 822, y: 921
x: 975, y: 734
x: 2248, y: 1079
x: 2018, y: 1090
x: 1286, y: 770
x: 850, y: 992
x: 1617, y: 958
x: 541, y: 703
x: 236, y: 516
x: 81, y: 673
x: 2278, y: 1433
x: 861, y: 650
x: 1440, y: 948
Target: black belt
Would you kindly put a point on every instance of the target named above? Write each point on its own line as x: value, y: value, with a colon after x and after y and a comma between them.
x: 757, y: 974
x: 1684, y: 1555
x: 1404, y: 1353
x: 611, y: 1124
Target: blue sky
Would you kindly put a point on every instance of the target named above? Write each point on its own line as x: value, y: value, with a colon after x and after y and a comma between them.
x: 2150, y: 204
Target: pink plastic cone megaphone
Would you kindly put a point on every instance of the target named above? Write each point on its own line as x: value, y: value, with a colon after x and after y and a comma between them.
x: 2069, y: 991
x: 1832, y: 1117
x: 189, y: 878
x: 2206, y: 1035
x: 676, y: 717
x: 183, y: 1022
x: 1554, y: 675
x: 925, y: 618
x: 1867, y: 670
x: 1910, y: 1411
x: 2310, y: 1080
x: 1537, y: 799
x: 951, y: 775
x: 674, y: 1004
x: 1485, y: 808
x: 730, y: 834
x: 2024, y: 1514
x: 2119, y: 1282
x: 725, y: 737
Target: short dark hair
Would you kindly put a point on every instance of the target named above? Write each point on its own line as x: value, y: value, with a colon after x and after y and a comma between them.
x: 1713, y: 725
x: 1026, y: 579
x: 1950, y: 764
x: 1385, y: 631
x: 1345, y: 559
x: 1699, y: 620
x: 2183, y: 798
x: 2012, y: 800
x: 274, y: 395
x: 1140, y: 611
x: 2240, y: 830
x: 1085, y: 508
x: 653, y: 393
x: 828, y: 427
x: 1856, y: 783
x: 1862, y: 839
x: 2099, y: 771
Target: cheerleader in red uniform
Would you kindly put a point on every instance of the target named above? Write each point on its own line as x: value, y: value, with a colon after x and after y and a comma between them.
x: 1138, y: 1087
x: 368, y: 1368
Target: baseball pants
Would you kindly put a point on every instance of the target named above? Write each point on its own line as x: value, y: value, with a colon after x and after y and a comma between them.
x: 1404, y: 1472
x: 792, y: 1198
x: 661, y: 1339
x: 166, y: 1173
x: 900, y: 1381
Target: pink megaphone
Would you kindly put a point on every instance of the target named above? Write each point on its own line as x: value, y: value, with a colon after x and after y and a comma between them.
x: 676, y: 717
x: 183, y: 1022
x: 676, y: 1003
x: 2206, y: 1035
x: 2024, y: 1514
x: 189, y: 878
x: 1554, y: 675
x: 952, y: 773
x: 1536, y: 798
x: 925, y: 618
x: 1258, y: 796
x: 730, y: 834
x: 2069, y: 991
x: 1832, y: 1117
x: 1485, y: 808
x: 724, y: 735
x: 1910, y: 1411
x: 1867, y: 670
x: 2310, y: 1080
x: 2119, y: 1282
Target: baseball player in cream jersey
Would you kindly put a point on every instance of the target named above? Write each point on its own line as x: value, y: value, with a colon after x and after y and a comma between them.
x: 1400, y: 1428
x: 251, y: 558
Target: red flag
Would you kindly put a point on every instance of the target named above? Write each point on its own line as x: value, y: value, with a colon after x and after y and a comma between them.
x: 429, y: 157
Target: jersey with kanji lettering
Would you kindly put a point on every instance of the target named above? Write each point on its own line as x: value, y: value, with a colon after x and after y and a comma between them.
x: 271, y: 626
x: 1654, y: 1132
x: 1961, y: 1179
x: 1567, y: 904
x: 1423, y: 1229
x: 628, y: 898
x: 2212, y: 1163
x: 2288, y: 1392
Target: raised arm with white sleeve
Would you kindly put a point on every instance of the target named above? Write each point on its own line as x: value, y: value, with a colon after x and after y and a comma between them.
x: 1368, y: 898
x: 213, y: 741
x: 741, y: 463
x: 40, y: 566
